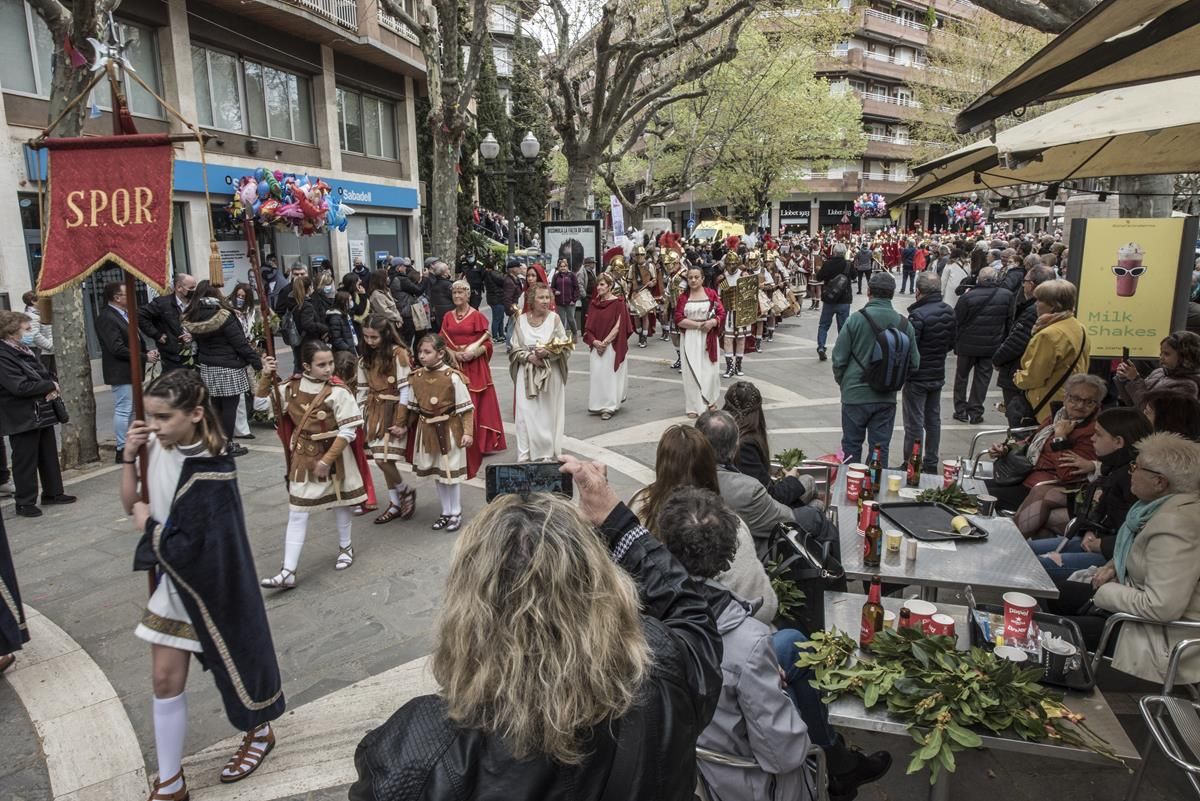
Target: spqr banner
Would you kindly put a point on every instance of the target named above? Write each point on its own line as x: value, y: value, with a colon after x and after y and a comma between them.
x: 109, y: 200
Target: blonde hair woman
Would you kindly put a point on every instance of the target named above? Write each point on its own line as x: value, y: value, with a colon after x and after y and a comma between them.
x: 1057, y: 350
x: 552, y: 682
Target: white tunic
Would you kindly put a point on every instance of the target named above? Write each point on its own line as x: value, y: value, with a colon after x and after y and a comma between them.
x: 701, y: 379
x: 165, y: 620
x: 607, y: 388
x: 540, y: 419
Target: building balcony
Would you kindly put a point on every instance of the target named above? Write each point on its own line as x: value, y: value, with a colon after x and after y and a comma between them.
x: 848, y: 181
x: 892, y: 28
x: 393, y: 24
x: 882, y: 146
x: 342, y: 12
x: 888, y: 107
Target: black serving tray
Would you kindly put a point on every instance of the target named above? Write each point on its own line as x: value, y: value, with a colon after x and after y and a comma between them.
x: 1081, y: 679
x: 920, y: 519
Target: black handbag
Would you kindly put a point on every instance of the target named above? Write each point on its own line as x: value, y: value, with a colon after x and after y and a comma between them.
x: 1011, y: 469
x: 60, y: 410
x: 802, y: 558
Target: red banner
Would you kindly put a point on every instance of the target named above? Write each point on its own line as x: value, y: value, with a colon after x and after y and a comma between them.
x: 109, y: 200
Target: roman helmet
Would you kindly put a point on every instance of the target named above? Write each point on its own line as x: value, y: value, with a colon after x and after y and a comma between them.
x: 614, y: 261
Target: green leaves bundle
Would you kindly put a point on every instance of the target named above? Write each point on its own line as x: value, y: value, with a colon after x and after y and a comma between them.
x: 953, y: 496
x: 790, y: 458
x: 942, y: 694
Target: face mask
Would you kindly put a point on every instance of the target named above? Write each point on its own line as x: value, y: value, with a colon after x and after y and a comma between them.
x: 239, y: 302
x: 471, y: 259
x: 27, y: 339
x: 329, y: 291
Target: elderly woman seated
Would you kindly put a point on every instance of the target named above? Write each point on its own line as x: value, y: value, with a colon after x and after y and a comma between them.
x: 1060, y: 452
x: 1155, y: 572
x: 755, y: 717
x: 1101, y: 506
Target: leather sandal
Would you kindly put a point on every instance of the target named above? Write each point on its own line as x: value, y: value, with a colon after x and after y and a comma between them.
x: 6, y: 662
x: 364, y: 508
x: 284, y: 580
x: 393, y: 511
x: 447, y: 522
x: 248, y: 757
x: 408, y: 503
x: 181, y: 794
x: 345, y: 558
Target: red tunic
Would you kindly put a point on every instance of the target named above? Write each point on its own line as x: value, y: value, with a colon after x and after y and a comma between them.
x: 489, y: 429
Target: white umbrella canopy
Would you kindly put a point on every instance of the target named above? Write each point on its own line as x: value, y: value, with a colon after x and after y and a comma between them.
x: 1117, y: 43
x: 1025, y: 213
x: 1152, y: 129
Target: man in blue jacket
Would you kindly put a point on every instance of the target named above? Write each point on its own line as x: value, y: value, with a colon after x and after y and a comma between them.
x: 865, y: 411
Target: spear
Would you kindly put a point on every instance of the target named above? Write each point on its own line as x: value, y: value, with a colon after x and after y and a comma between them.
x: 268, y: 337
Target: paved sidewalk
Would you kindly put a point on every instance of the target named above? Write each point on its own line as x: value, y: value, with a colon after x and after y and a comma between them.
x: 350, y: 642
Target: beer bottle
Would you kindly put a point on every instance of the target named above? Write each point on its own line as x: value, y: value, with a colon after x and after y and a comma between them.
x: 905, y: 620
x: 867, y: 493
x: 875, y: 468
x: 914, y: 465
x: 872, y: 615
x: 873, y: 541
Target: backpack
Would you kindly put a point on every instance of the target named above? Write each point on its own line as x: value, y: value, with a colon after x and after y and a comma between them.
x: 889, y: 363
x: 919, y: 261
x: 288, y: 331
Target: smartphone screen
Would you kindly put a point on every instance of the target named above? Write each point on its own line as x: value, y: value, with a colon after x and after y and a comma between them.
x: 504, y: 479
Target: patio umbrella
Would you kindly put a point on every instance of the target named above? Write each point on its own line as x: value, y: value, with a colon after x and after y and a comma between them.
x: 1117, y: 43
x: 1148, y: 130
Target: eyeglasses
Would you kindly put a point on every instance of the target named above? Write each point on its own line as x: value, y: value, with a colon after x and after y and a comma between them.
x: 1132, y: 272
x: 1081, y: 401
x: 1134, y: 467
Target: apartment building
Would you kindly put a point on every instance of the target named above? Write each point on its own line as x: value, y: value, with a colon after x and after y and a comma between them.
x: 323, y: 87
x: 879, y: 62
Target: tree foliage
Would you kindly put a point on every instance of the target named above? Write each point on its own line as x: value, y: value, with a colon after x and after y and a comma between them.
x: 530, y: 114
x: 615, y: 76
x: 688, y: 139
x: 490, y: 116
x: 965, y: 58
x: 790, y: 118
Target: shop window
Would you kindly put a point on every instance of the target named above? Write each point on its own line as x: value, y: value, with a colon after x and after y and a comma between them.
x: 248, y: 97
x: 28, y: 49
x: 366, y: 124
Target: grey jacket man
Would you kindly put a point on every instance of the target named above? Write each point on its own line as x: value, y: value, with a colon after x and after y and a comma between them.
x: 750, y: 501
x: 754, y: 717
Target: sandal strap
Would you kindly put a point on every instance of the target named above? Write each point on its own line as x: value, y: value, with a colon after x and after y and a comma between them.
x: 157, y: 794
x: 251, y: 752
x: 281, y: 579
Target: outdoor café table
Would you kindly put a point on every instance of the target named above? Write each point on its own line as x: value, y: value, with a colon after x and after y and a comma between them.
x: 1003, y: 562
x: 843, y: 611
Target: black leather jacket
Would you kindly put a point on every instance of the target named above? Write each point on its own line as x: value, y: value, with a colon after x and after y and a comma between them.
x: 647, y: 754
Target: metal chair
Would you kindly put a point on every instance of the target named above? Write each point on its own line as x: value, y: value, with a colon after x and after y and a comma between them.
x: 1115, y: 620
x: 974, y: 460
x: 818, y: 773
x: 1174, y: 724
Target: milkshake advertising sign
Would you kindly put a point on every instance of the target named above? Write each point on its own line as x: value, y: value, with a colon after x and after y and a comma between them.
x: 1134, y: 277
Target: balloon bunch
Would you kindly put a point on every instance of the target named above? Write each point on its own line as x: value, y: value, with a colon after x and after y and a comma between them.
x: 965, y: 211
x: 870, y: 204
x: 287, y: 201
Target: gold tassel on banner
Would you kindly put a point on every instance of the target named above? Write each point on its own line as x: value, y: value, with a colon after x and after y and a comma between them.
x: 216, y: 272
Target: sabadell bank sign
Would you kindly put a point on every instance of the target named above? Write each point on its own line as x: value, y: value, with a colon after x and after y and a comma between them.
x: 355, y: 196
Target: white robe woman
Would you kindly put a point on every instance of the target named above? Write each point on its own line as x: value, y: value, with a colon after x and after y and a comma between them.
x: 538, y: 365
x: 697, y: 314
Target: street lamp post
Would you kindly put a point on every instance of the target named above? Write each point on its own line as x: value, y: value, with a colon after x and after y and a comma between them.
x: 489, y: 148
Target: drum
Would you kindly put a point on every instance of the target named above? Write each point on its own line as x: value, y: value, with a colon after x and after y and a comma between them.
x: 779, y: 302
x: 642, y: 303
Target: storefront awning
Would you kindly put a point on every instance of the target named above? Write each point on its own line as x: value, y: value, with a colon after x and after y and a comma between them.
x: 1143, y: 130
x: 1118, y: 43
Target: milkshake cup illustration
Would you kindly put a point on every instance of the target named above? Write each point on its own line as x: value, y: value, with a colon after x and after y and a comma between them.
x: 1128, y: 269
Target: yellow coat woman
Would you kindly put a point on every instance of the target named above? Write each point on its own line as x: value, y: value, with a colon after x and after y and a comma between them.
x: 1059, y: 347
